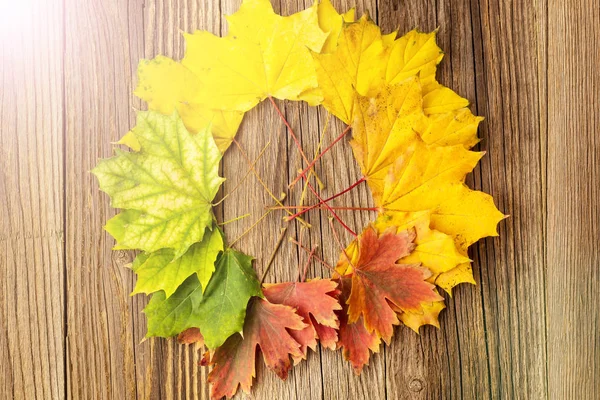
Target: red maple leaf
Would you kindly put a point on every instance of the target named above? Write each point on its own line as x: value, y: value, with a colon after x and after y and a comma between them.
x: 266, y: 326
x: 378, y: 281
x: 315, y: 302
x: 354, y: 339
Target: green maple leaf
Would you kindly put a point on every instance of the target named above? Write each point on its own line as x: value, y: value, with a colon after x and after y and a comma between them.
x: 219, y: 312
x: 159, y: 271
x: 166, y: 188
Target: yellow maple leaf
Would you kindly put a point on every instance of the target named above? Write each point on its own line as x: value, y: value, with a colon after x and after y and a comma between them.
x: 462, y: 273
x: 412, y: 54
x: 439, y: 99
x: 407, y: 175
x: 332, y: 22
x: 431, y: 312
x: 167, y: 85
x: 382, y: 125
x: 355, y: 66
x: 131, y: 141
x: 449, y: 129
x: 426, y: 178
x: 365, y: 59
x: 264, y: 54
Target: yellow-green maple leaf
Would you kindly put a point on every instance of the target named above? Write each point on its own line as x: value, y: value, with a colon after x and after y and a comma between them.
x: 159, y: 271
x: 166, y: 188
x: 264, y: 54
x: 167, y: 85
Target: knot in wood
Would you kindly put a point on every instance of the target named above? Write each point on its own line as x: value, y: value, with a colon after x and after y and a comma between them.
x: 416, y: 385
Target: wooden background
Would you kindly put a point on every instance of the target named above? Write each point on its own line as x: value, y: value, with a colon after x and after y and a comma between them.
x: 529, y: 329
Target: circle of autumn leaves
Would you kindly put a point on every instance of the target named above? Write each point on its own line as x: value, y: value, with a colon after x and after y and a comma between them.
x: 410, y: 135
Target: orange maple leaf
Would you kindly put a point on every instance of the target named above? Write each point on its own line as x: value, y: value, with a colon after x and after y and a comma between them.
x: 266, y: 326
x: 315, y: 303
x: 191, y: 335
x: 378, y: 281
x: 354, y: 339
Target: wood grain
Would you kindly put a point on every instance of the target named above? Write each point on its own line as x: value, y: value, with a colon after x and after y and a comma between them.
x: 528, y: 329
x: 573, y: 197
x: 102, y: 46
x: 32, y: 297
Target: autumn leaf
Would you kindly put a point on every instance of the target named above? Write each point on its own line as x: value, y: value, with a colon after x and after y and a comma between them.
x: 440, y: 99
x: 226, y: 296
x: 415, y: 53
x: 267, y: 327
x: 429, y: 316
x: 377, y: 280
x: 331, y: 22
x: 264, y: 54
x: 159, y: 271
x: 411, y: 166
x: 167, y: 187
x: 383, y: 126
x: 462, y: 273
x: 426, y: 178
x: 167, y: 85
x: 433, y: 249
x: 365, y: 59
x: 191, y: 335
x: 355, y: 66
x: 355, y: 340
x: 407, y: 175
x: 315, y: 303
x: 218, y: 312
x: 449, y: 129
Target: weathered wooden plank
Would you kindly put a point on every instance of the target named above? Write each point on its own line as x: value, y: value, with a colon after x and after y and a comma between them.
x: 103, y: 44
x: 511, y: 60
x: 573, y: 226
x: 31, y: 211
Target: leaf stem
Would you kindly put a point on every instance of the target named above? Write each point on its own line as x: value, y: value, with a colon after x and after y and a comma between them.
x: 274, y: 253
x: 250, y: 169
x: 318, y: 157
x: 310, y: 256
x: 255, y: 223
x: 234, y: 219
x: 285, y: 121
x: 325, y: 264
x: 260, y: 180
x: 349, y: 188
x: 312, y: 171
x: 312, y: 189
x: 339, y: 243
